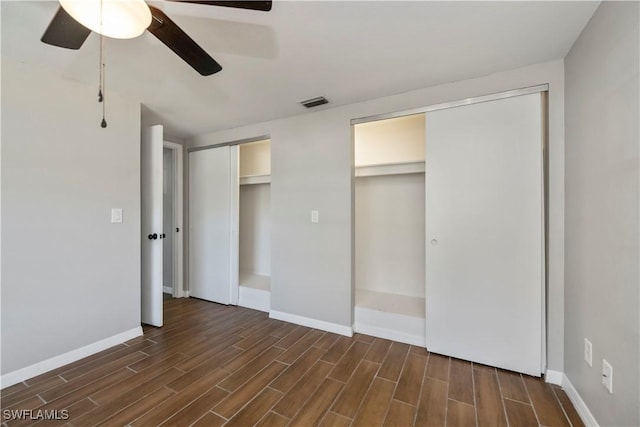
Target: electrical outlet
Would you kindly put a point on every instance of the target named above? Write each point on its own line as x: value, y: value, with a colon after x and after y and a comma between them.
x: 607, y: 376
x: 315, y: 216
x: 588, y: 350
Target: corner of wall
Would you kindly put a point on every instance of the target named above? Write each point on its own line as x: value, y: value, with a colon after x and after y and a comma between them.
x: 581, y: 407
x: 601, y: 222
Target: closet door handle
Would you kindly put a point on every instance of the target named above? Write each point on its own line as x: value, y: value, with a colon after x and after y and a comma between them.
x: 153, y: 236
x: 162, y: 236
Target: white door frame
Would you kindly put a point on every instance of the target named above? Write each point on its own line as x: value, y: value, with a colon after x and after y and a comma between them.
x: 178, y: 209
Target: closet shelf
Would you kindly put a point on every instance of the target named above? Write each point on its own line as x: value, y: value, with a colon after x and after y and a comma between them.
x: 391, y: 303
x: 255, y: 281
x: 391, y: 316
x: 254, y: 292
x: 255, y: 179
x: 390, y: 169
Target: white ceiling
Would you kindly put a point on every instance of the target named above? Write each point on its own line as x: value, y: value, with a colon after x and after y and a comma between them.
x: 345, y: 51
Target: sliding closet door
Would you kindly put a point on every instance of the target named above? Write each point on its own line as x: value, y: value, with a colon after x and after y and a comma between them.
x: 213, y: 207
x: 484, y: 226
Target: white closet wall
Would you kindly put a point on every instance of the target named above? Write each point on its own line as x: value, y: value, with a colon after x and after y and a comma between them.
x: 255, y: 158
x: 390, y: 234
x: 255, y: 229
x: 383, y: 142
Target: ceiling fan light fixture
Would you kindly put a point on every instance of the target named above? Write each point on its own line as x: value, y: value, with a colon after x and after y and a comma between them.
x: 120, y: 19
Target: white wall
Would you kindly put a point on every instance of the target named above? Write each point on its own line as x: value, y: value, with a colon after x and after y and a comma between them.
x: 70, y: 278
x: 311, y: 160
x: 602, y: 213
x: 255, y: 229
x: 168, y: 195
x: 255, y: 158
x: 396, y: 140
x: 390, y: 233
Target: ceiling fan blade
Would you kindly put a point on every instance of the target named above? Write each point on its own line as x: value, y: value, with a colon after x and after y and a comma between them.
x: 264, y: 6
x: 178, y: 41
x: 64, y: 31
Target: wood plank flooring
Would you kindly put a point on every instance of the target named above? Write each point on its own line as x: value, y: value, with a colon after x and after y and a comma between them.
x: 212, y: 365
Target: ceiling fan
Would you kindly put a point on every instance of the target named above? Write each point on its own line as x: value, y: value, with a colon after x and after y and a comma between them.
x: 75, y: 19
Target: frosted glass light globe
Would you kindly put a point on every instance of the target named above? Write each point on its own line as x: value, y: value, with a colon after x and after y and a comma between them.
x: 121, y: 19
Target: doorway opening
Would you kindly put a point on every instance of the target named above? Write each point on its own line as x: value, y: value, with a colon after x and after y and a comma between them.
x: 254, y: 286
x: 172, y: 220
x: 389, y: 219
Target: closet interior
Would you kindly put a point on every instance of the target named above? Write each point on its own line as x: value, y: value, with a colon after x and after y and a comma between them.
x: 390, y: 228
x: 255, y: 225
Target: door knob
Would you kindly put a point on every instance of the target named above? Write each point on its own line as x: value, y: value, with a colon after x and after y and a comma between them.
x: 434, y: 242
x: 153, y: 236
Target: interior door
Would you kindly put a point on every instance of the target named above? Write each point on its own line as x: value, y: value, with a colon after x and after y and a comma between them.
x: 151, y: 224
x: 213, y: 182
x: 484, y: 225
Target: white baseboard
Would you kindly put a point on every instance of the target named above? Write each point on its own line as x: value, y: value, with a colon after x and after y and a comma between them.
x: 553, y: 377
x: 312, y: 323
x: 585, y: 414
x: 167, y: 290
x: 36, y: 369
x: 559, y: 378
x: 185, y: 294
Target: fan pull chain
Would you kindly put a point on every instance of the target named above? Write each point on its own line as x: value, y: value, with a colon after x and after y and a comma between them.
x: 101, y: 66
x: 100, y: 97
x: 103, y: 124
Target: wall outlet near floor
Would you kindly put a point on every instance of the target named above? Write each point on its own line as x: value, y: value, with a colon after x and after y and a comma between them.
x: 315, y: 216
x: 607, y: 376
x: 588, y: 350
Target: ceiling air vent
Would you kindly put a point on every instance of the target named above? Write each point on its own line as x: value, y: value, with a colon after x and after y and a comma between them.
x: 314, y: 102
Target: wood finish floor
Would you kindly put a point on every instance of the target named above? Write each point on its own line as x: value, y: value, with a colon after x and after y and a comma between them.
x: 212, y: 365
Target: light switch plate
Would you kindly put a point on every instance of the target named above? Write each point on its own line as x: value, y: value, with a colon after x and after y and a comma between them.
x: 116, y: 215
x: 315, y: 216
